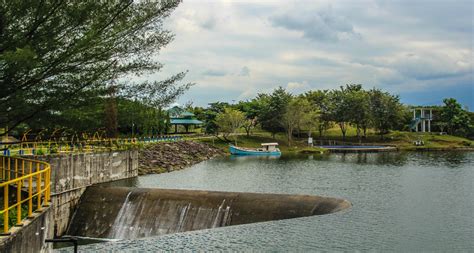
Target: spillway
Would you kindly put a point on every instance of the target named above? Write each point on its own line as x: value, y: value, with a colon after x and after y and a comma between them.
x: 129, y: 213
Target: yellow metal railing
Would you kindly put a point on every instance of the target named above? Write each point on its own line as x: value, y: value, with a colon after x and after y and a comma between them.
x: 31, y: 182
x: 87, y: 146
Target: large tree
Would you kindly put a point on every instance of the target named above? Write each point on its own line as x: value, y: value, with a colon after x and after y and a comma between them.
x: 320, y: 99
x: 209, y: 117
x: 272, y: 109
x: 359, y: 109
x: 386, y: 111
x: 250, y: 109
x: 229, y: 121
x: 299, y: 114
x: 340, y: 108
x: 55, y: 52
x: 457, y: 119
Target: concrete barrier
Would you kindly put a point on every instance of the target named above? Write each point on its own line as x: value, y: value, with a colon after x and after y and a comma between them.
x: 128, y: 213
x: 31, y: 236
x: 72, y: 173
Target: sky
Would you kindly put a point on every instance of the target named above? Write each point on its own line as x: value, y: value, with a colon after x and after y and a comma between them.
x: 420, y: 50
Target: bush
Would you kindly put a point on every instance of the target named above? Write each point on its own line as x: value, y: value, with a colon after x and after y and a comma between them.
x: 466, y: 143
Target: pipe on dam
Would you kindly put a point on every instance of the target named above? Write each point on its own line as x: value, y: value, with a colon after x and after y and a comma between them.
x: 128, y: 213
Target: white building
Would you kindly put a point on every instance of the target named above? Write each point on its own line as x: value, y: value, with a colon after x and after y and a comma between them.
x: 421, y: 121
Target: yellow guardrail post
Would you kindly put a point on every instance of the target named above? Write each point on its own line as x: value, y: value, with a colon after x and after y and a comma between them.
x: 5, y: 207
x: 8, y: 170
x: 17, y: 177
x: 16, y: 168
x: 38, y: 187
x: 30, y: 192
x: 3, y: 167
x: 18, y: 207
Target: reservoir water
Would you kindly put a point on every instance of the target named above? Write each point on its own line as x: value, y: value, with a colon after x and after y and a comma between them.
x: 401, y: 202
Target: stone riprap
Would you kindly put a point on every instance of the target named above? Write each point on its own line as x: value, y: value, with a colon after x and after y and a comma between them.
x: 167, y: 157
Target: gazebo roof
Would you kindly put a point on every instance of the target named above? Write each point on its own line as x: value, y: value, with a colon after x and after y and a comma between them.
x: 186, y: 114
x: 185, y: 122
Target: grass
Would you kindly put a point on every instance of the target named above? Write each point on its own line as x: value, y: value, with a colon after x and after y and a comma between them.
x: 256, y: 139
x: 400, y: 139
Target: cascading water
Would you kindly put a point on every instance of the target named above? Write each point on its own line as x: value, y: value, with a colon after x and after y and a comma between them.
x: 142, y: 217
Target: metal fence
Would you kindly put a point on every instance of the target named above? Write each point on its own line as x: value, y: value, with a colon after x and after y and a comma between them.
x: 85, y: 146
x: 30, y: 183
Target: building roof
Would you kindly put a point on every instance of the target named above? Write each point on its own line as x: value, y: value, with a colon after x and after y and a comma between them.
x: 186, y: 114
x: 185, y: 122
x: 175, y: 111
x: 270, y: 144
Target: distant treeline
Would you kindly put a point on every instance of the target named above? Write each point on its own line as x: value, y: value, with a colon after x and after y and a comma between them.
x: 313, y: 112
x: 319, y: 110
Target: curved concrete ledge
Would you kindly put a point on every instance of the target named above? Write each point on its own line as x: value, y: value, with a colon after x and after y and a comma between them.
x: 121, y: 212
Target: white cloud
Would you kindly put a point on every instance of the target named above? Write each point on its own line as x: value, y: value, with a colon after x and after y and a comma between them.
x: 234, y: 50
x: 297, y: 86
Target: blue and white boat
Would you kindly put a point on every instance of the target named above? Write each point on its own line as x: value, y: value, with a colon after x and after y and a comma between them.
x: 266, y: 149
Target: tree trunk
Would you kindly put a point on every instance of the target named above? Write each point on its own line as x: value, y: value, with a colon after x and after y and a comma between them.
x: 358, y: 134
x: 290, y: 135
x: 247, y: 130
x: 343, y: 130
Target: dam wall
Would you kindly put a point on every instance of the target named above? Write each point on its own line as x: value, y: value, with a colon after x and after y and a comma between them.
x: 30, y: 238
x: 129, y: 213
x: 71, y: 174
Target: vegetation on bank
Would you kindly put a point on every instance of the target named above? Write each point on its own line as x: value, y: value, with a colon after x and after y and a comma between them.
x: 402, y: 140
x: 349, y: 114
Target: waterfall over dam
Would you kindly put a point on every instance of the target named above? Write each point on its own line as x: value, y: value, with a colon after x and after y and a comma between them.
x: 128, y: 213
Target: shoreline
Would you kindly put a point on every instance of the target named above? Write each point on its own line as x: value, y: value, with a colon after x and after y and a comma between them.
x: 300, y: 146
x: 167, y: 157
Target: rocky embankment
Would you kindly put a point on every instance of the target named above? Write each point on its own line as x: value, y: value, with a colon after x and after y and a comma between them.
x: 166, y: 157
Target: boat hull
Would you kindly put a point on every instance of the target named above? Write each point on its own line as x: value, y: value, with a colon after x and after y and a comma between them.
x: 238, y: 151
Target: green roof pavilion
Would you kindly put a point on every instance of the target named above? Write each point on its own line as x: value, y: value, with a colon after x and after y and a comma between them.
x: 179, y: 116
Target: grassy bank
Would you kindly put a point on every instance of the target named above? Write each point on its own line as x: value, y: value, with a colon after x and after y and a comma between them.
x: 255, y: 140
x: 402, y: 140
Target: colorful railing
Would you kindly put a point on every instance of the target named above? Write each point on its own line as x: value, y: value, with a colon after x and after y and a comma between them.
x: 30, y: 181
x: 87, y: 146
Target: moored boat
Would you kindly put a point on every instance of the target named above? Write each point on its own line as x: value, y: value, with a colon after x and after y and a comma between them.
x: 266, y: 149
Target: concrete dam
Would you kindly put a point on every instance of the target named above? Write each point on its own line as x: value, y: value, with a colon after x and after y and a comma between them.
x: 129, y: 213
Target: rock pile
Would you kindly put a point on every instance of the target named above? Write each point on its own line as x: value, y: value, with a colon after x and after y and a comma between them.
x: 166, y: 157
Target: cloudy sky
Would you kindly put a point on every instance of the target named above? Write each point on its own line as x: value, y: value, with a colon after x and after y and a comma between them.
x: 421, y: 50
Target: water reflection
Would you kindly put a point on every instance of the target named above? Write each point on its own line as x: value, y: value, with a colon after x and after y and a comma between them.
x: 256, y: 157
x: 402, y: 202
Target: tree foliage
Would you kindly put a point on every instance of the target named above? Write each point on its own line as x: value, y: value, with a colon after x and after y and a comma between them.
x: 456, y: 119
x: 56, y: 52
x: 229, y: 121
x: 272, y: 107
x: 299, y: 114
x: 386, y: 110
x: 320, y: 99
x: 209, y: 116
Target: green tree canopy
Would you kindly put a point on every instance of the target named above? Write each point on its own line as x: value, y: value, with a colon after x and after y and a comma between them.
x: 53, y: 52
x: 272, y: 109
x: 386, y: 110
x: 455, y: 117
x: 229, y: 121
x: 299, y: 114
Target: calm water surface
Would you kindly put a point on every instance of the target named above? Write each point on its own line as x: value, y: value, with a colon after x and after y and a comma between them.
x: 401, y: 202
